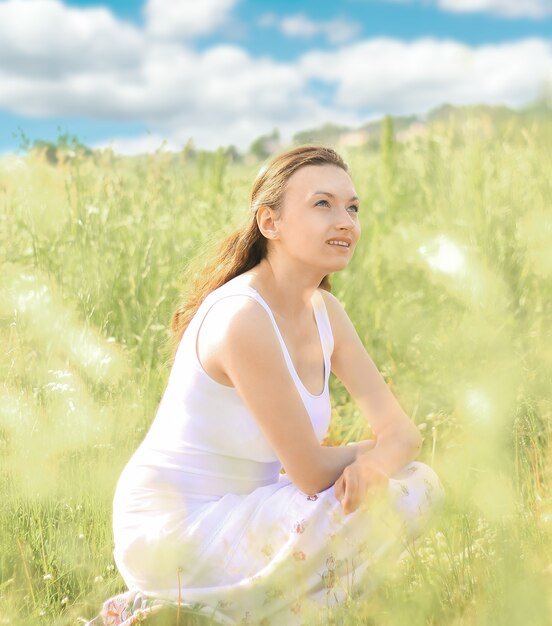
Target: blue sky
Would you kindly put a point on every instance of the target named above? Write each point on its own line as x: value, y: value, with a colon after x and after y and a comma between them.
x: 133, y: 75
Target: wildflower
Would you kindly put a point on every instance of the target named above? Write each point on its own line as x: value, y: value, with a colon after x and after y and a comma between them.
x: 60, y: 373
x: 61, y: 387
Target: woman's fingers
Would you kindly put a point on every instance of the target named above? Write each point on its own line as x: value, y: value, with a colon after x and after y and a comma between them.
x: 339, y: 489
x: 351, y: 490
x: 342, y: 489
x: 358, y: 484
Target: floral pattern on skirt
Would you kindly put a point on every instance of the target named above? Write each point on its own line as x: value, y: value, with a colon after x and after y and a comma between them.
x: 315, y: 559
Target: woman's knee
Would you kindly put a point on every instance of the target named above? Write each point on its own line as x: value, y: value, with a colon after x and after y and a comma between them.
x: 418, y: 494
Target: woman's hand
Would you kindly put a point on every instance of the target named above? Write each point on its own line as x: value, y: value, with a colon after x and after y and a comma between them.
x: 362, y: 476
x: 363, y: 445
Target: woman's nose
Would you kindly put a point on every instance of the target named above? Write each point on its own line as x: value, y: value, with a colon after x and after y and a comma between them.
x: 346, y: 221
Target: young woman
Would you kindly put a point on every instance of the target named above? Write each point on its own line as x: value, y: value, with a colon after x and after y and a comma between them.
x: 203, y: 515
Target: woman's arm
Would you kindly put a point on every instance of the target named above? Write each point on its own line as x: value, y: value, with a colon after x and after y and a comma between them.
x: 334, y: 459
x: 255, y: 364
x: 389, y: 454
x: 358, y: 373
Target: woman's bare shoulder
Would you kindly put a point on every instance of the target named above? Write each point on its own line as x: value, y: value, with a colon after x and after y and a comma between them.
x: 225, y: 315
x: 234, y: 309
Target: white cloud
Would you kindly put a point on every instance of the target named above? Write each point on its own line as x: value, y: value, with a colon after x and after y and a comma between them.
x: 85, y: 62
x: 336, y: 30
x: 299, y: 26
x: 403, y: 77
x: 535, y: 9
x: 45, y: 38
x: 505, y: 8
x: 186, y: 18
x: 169, y: 83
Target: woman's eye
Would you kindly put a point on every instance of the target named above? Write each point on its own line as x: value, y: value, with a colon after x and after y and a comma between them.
x: 353, y: 206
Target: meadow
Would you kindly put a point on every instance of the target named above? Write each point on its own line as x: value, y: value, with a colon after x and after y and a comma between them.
x: 450, y: 291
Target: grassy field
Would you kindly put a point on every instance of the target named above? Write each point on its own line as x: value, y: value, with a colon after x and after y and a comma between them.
x: 449, y: 288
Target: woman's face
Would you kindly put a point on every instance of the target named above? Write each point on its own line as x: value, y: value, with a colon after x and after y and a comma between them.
x: 319, y: 205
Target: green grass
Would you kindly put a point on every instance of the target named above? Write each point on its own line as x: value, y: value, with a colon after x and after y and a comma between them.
x: 449, y: 288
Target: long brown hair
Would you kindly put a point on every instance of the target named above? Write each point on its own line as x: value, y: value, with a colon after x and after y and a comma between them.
x: 244, y: 248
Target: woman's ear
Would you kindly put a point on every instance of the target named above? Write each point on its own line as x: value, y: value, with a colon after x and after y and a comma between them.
x: 265, y: 222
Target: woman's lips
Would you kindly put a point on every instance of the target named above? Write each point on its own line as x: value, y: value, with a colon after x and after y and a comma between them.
x: 343, y: 248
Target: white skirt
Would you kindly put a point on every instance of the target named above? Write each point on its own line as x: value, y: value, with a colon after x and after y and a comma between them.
x: 275, y: 556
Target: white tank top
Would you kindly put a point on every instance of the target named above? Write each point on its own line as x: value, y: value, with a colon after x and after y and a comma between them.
x: 204, y: 442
